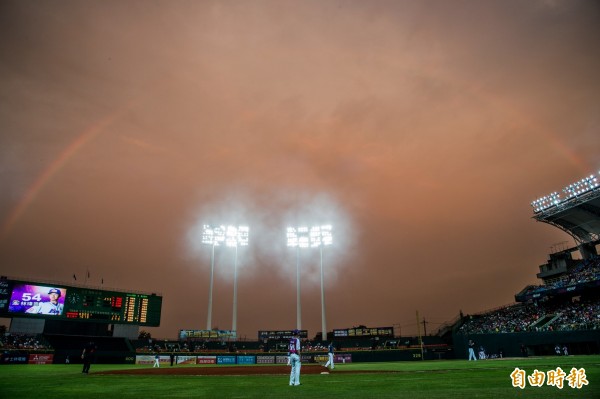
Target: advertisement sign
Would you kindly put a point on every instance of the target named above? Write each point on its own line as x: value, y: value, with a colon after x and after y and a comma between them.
x: 321, y: 358
x: 345, y: 358
x: 225, y: 359
x: 164, y: 359
x: 14, y: 358
x: 281, y: 359
x: 206, y: 360
x: 246, y: 359
x: 265, y: 359
x: 5, y: 290
x: 211, y: 334
x: 280, y: 334
x: 41, y: 358
x: 185, y: 359
x: 306, y: 358
x: 144, y: 359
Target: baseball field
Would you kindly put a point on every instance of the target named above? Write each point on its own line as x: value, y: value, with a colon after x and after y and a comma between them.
x: 500, y: 378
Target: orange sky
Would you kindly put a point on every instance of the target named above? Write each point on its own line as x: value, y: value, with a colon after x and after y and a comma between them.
x: 421, y: 130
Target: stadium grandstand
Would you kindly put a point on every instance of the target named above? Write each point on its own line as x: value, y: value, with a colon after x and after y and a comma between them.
x: 564, y: 310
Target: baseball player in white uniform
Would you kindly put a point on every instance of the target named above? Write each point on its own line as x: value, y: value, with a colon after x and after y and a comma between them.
x: 294, y: 349
x: 330, y: 356
x: 52, y: 307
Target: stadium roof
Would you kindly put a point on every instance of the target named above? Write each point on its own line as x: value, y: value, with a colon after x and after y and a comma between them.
x: 578, y: 216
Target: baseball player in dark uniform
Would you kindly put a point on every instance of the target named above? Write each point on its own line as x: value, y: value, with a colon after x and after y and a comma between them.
x: 330, y: 356
x: 88, y: 356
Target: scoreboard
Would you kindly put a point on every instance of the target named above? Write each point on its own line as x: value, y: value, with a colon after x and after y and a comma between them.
x: 59, y: 302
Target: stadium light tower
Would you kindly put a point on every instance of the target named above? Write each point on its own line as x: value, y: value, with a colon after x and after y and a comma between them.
x: 319, y: 237
x: 213, y: 236
x: 236, y: 237
x: 298, y: 238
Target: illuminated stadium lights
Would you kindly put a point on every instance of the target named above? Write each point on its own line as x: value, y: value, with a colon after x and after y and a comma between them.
x: 582, y: 186
x: 236, y: 236
x: 231, y: 236
x: 302, y: 237
x: 211, y: 236
x: 324, y: 237
x: 546, y: 202
x: 320, y: 235
x: 573, y: 190
x: 298, y: 238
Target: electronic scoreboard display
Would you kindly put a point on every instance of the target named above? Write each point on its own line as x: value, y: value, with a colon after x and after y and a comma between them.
x: 61, y: 302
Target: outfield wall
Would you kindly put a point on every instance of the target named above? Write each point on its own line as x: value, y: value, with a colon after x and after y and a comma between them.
x: 237, y: 359
x: 282, y: 358
x: 119, y: 357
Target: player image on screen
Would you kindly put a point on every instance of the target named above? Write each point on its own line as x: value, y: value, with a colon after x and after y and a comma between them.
x: 34, y: 299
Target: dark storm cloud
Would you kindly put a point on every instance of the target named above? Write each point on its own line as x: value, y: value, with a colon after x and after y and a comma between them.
x: 423, y: 130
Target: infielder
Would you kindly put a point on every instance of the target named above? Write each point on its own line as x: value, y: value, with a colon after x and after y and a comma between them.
x: 330, y: 355
x: 294, y: 349
x: 156, y: 361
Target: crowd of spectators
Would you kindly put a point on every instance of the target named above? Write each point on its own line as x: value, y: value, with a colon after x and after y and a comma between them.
x: 586, y: 271
x: 579, y: 315
x: 23, y: 342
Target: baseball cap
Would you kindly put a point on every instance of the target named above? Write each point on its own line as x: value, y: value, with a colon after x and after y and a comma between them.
x: 296, y: 332
x: 54, y: 291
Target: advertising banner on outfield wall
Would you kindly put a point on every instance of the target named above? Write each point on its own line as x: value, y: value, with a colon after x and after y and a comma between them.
x: 226, y: 359
x: 206, y: 360
x: 14, y: 358
x: 345, y: 358
x: 149, y: 359
x: 41, y: 358
x: 185, y: 359
x: 307, y: 358
x: 164, y: 359
x: 144, y: 359
x: 281, y: 359
x: 246, y: 359
x: 321, y: 358
x: 265, y: 359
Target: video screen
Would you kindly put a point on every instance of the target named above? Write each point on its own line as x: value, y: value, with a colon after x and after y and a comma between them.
x: 37, y: 299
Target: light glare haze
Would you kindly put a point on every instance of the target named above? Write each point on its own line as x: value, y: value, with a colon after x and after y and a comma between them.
x: 420, y: 130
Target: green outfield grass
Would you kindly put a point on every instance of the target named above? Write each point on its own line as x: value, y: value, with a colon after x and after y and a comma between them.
x: 428, y: 379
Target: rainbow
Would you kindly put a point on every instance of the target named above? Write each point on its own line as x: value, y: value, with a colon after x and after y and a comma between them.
x: 45, y: 177
x: 468, y: 88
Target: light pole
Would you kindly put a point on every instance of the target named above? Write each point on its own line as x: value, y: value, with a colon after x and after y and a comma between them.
x: 319, y: 237
x: 236, y: 236
x: 303, y: 237
x: 298, y: 238
x: 211, y: 236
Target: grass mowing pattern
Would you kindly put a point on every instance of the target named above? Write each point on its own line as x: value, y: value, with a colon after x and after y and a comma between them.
x: 428, y: 379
